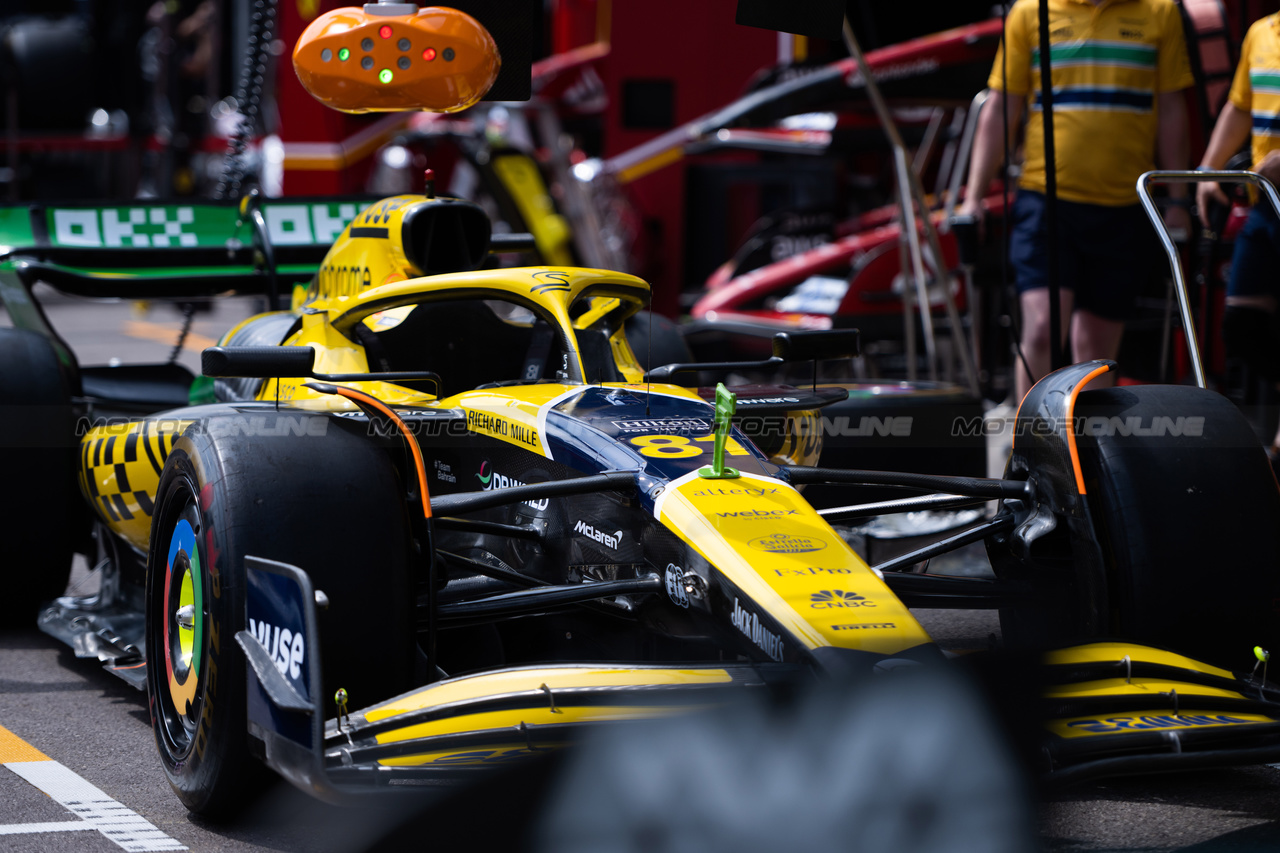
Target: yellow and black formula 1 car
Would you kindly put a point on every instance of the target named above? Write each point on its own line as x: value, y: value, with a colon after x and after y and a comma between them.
x: 435, y: 517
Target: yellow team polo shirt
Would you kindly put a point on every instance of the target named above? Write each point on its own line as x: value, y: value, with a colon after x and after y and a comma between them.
x: 1256, y: 87
x: 1109, y: 62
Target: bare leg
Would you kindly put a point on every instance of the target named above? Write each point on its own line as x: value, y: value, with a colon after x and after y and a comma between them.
x: 1035, y: 333
x: 1096, y: 337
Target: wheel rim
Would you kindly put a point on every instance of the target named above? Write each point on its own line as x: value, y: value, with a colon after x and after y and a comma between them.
x: 183, y: 616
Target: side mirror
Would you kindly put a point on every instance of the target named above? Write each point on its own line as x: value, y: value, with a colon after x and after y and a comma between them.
x: 258, y: 362
x: 816, y: 345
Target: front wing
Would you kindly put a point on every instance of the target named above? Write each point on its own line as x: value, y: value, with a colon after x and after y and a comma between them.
x: 1108, y: 708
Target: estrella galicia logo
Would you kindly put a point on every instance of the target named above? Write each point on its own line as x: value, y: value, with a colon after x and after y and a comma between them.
x: 786, y: 543
x: 829, y: 598
x: 549, y: 280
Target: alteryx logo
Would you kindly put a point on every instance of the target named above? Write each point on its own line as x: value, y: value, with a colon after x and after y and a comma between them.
x: 493, y: 481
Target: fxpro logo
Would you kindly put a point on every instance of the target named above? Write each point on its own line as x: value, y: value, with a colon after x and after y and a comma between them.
x: 609, y: 540
x: 492, y: 481
x: 287, y: 648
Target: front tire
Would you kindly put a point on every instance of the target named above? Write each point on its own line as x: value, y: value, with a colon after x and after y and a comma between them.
x: 195, y: 673
x: 319, y: 493
x: 1188, y: 523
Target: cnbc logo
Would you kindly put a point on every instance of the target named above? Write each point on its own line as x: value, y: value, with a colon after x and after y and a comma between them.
x: 829, y: 598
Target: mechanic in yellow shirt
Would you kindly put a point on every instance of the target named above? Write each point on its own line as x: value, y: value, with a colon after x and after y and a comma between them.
x: 1253, y: 108
x: 1119, y: 68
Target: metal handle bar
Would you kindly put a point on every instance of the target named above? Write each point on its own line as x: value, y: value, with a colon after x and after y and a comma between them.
x: 961, y: 167
x: 1183, y: 176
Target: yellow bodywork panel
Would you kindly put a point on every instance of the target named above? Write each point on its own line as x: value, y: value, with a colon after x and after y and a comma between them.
x: 120, y: 467
x: 1095, y: 653
x: 521, y: 723
x: 1138, y: 686
x: 766, y: 539
x: 554, y: 678
x: 511, y: 419
x: 513, y: 721
x: 1153, y: 720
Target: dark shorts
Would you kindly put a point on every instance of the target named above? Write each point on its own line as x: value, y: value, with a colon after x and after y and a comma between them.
x: 1105, y: 254
x: 1255, y: 266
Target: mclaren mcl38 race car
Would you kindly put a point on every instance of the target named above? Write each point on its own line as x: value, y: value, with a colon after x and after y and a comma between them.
x: 435, y: 516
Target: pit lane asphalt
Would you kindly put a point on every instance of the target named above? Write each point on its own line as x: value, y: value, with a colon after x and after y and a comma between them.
x: 97, y: 726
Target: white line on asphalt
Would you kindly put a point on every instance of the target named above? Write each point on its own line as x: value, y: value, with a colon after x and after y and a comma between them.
x: 123, y: 826
x: 32, y: 828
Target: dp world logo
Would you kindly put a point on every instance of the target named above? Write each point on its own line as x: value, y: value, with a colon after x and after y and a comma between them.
x: 493, y: 481
x: 829, y: 598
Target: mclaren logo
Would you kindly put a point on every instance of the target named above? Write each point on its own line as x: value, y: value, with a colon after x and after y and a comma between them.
x: 829, y: 598
x: 608, y: 540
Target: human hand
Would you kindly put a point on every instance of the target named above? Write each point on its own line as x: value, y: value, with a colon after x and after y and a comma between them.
x: 972, y: 208
x: 1208, y: 192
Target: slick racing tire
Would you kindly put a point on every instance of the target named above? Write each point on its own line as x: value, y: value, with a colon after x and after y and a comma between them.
x: 325, y: 500
x: 38, y: 503
x: 1187, y: 523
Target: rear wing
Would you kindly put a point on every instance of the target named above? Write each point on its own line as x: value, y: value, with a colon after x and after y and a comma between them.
x: 177, y: 249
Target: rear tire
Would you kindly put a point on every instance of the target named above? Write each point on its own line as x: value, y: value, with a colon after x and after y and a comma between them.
x: 324, y: 499
x: 37, y: 437
x: 1188, y: 524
